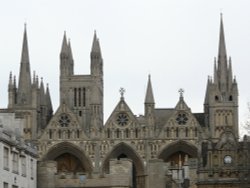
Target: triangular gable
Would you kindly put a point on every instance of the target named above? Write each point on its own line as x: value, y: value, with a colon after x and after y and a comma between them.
x: 63, y: 119
x: 121, y: 117
x: 182, y: 115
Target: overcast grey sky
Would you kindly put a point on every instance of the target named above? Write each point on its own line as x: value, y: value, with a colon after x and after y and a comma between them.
x: 175, y: 41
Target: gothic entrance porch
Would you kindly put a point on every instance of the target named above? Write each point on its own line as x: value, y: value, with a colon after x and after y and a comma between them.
x: 124, y: 151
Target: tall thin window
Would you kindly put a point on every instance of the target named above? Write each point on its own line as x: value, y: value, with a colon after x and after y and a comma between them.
x: 68, y: 134
x: 177, y: 132
x: 186, y: 131
x: 117, y: 133
x: 31, y: 169
x: 6, y: 158
x: 78, y: 134
x: 75, y: 95
x: 127, y: 133
x: 108, y: 133
x: 167, y: 132
x: 23, y: 161
x: 15, y: 162
x: 196, y: 132
x: 79, y: 97
x: 50, y: 134
x: 59, y: 134
x: 136, y: 133
x: 5, y: 185
x: 84, y: 96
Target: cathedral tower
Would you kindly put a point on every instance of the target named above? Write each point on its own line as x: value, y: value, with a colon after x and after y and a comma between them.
x: 28, y: 100
x: 82, y: 94
x: 221, y: 101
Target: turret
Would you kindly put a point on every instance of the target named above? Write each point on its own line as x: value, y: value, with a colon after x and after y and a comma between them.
x: 66, y: 58
x: 12, y: 91
x: 48, y: 104
x: 149, y: 104
x: 96, y: 58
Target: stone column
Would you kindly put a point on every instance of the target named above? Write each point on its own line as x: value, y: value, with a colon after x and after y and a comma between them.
x: 46, y: 174
x: 156, y: 174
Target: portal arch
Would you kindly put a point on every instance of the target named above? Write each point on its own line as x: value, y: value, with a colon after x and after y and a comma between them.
x: 69, y: 157
x: 178, y: 152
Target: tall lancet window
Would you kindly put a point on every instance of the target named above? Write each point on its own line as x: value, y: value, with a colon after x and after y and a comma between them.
x: 84, y: 96
x: 79, y: 96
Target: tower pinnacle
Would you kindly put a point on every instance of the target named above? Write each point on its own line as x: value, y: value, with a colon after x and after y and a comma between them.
x: 64, y: 49
x: 96, y: 45
x: 24, y: 85
x: 149, y: 99
x: 222, y: 54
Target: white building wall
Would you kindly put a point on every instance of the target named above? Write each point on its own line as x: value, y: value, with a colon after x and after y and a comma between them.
x: 9, y: 140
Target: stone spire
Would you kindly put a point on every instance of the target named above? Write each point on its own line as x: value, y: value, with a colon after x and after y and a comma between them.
x: 149, y: 104
x: 65, y: 62
x: 64, y: 49
x: 42, y: 93
x: 24, y: 86
x: 222, y: 54
x: 221, y: 93
x: 70, y: 51
x: 149, y: 99
x: 71, y: 60
x: 96, y: 58
x: 222, y: 68
x: 96, y: 45
x: 25, y: 52
x: 48, y: 103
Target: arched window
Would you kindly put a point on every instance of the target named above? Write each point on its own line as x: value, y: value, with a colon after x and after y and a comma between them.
x: 59, y: 134
x: 216, y: 98
x: 68, y: 134
x: 78, y: 134
x: 177, y: 132
x: 50, y: 134
x: 136, y: 133
x: 108, y: 133
x: 230, y: 98
x: 127, y: 133
x: 117, y: 133
x: 186, y: 132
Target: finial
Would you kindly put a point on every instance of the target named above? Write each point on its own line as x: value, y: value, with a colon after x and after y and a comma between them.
x: 122, y: 91
x: 181, y: 91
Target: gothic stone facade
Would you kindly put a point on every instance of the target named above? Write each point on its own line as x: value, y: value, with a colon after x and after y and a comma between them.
x: 170, y: 147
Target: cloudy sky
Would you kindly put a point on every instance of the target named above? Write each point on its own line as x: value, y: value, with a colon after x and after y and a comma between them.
x: 173, y: 40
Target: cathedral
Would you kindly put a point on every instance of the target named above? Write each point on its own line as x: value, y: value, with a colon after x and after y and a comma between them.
x: 163, y: 148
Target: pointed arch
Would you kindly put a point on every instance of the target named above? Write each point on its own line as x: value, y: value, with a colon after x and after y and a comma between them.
x: 124, y: 149
x: 66, y: 147
x: 179, y: 146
